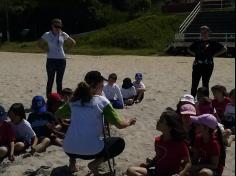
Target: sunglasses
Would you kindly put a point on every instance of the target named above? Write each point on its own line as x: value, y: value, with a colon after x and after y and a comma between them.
x: 57, y: 26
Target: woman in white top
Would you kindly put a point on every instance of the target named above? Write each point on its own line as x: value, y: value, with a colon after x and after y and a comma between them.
x: 52, y: 42
x: 88, y: 110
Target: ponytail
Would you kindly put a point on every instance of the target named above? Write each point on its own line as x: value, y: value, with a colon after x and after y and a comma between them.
x: 82, y: 93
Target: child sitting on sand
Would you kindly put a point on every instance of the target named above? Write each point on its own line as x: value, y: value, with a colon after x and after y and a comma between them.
x: 128, y: 91
x: 229, y: 114
x: 66, y: 94
x: 208, y: 149
x: 220, y: 99
x: 43, y: 122
x: 7, y: 137
x: 25, y: 136
x: 140, y: 87
x: 113, y: 93
x: 172, y: 156
x: 54, y: 101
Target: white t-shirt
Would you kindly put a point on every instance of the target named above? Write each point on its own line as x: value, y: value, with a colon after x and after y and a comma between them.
x: 113, y: 92
x: 85, y: 133
x: 55, y: 44
x: 229, y: 114
x: 23, y: 131
x: 127, y: 93
x: 139, y: 85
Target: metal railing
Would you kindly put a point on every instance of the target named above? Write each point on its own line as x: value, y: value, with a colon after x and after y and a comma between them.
x: 190, y: 18
x: 220, y: 4
x: 222, y: 37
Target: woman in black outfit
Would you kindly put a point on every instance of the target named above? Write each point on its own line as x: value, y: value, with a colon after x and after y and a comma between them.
x: 204, y: 51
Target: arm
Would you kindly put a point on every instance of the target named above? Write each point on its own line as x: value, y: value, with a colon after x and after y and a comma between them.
x: 119, y: 95
x: 190, y: 52
x: 222, y: 51
x: 42, y: 44
x: 112, y: 117
x: 11, y: 153
x: 187, y: 167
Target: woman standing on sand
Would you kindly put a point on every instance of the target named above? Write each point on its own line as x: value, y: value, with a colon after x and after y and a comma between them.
x: 53, y: 43
x: 204, y: 51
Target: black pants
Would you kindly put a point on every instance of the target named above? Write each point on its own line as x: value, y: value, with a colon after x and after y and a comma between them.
x: 203, y: 71
x: 113, y: 147
x: 55, y: 66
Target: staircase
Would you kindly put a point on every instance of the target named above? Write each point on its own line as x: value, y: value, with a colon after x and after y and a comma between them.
x: 219, y: 16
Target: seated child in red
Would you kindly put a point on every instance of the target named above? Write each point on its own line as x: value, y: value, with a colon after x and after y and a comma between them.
x: 172, y: 156
x: 7, y: 138
x: 220, y: 100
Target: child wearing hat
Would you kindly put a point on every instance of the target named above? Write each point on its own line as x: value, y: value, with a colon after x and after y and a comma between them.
x: 208, y: 149
x: 54, y: 101
x: 128, y: 91
x: 43, y: 122
x: 7, y: 137
x: 140, y: 87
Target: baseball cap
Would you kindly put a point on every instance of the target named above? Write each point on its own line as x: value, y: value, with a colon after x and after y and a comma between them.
x: 187, y: 98
x: 54, y: 97
x: 188, y: 109
x: 205, y: 119
x: 138, y: 76
x: 38, y: 104
x: 3, y: 114
x: 93, y: 77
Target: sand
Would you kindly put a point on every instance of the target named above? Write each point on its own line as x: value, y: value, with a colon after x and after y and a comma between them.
x: 23, y: 76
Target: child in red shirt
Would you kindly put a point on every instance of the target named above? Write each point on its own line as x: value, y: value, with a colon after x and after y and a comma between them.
x: 220, y: 100
x: 7, y: 137
x: 172, y: 156
x: 208, y: 150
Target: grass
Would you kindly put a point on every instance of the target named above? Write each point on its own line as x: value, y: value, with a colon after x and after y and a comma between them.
x: 147, y: 35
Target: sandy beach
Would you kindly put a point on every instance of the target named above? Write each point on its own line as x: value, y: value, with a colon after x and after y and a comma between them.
x: 23, y: 76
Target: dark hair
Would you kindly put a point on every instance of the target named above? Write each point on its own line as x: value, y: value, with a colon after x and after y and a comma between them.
x: 174, y: 121
x: 18, y: 109
x: 221, y: 143
x: 203, y: 91
x: 113, y: 76
x: 232, y: 93
x: 67, y: 92
x: 82, y: 93
x: 127, y: 83
x: 56, y: 20
x: 219, y: 88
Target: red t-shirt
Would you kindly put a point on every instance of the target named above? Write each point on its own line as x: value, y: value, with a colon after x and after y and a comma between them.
x: 220, y: 106
x: 207, y: 150
x: 7, y: 134
x: 169, y: 155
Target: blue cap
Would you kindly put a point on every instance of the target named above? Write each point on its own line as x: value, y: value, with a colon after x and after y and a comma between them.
x: 138, y: 76
x: 38, y: 104
x: 3, y: 114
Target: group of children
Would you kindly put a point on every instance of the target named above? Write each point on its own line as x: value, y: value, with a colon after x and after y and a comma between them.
x: 128, y: 94
x: 42, y: 127
x: 194, y: 136
x: 193, y: 141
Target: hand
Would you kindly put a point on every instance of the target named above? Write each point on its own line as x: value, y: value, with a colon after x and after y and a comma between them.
x: 131, y: 121
x: 11, y: 157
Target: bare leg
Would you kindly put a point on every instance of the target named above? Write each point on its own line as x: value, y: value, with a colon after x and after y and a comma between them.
x: 19, y: 147
x: 41, y: 147
x: 136, y: 171
x: 3, y: 152
x: 205, y: 172
x: 72, y: 165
